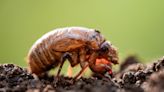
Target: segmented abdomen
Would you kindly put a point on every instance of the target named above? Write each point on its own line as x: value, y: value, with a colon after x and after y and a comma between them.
x: 41, y: 58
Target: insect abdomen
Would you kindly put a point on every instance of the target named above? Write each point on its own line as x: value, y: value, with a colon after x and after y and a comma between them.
x: 41, y: 58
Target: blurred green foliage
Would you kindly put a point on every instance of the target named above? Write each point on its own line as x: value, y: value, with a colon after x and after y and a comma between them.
x: 134, y: 26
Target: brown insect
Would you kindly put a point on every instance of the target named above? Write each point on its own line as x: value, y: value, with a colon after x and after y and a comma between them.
x: 79, y: 45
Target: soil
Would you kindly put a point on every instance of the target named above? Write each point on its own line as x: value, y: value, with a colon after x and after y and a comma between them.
x: 132, y: 77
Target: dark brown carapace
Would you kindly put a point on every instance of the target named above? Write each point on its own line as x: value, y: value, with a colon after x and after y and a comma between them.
x: 78, y: 45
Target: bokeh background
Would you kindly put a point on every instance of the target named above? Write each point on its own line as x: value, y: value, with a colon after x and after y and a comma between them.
x: 134, y: 26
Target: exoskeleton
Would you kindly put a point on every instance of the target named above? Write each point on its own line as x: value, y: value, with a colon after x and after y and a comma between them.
x: 78, y: 45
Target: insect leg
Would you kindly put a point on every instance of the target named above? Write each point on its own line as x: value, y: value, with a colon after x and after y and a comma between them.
x: 83, y: 63
x: 74, y: 60
x: 81, y: 71
x: 64, y: 57
x: 100, y: 68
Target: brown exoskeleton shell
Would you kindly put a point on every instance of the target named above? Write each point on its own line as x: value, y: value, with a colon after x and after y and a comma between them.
x: 77, y: 44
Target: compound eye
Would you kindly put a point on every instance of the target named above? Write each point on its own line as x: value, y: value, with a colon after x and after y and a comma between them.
x: 105, y: 47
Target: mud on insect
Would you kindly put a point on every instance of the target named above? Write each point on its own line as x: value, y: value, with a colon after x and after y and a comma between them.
x: 79, y: 45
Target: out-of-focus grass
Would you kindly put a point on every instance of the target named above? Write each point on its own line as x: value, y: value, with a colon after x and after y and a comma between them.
x: 134, y: 26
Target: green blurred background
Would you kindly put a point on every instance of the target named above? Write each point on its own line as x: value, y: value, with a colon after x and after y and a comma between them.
x: 134, y: 26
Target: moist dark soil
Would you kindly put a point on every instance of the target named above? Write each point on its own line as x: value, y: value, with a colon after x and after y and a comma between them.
x: 132, y: 77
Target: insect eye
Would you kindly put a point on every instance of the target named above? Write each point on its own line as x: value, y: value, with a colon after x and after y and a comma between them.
x: 104, y: 49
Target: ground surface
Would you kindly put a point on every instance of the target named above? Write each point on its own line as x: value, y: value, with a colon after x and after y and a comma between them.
x: 132, y: 77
